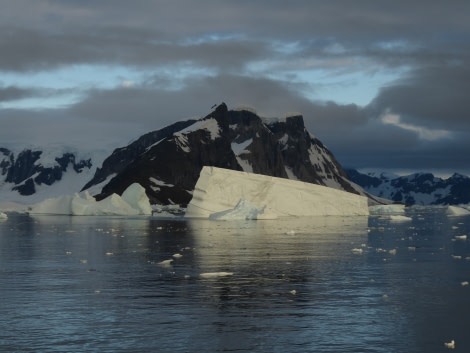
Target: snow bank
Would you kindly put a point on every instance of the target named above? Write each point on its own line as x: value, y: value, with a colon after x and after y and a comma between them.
x: 457, y: 211
x: 219, y: 190
x: 133, y: 201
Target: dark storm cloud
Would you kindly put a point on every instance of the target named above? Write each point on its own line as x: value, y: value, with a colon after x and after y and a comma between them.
x: 254, y: 53
x: 436, y: 97
x: 29, y: 50
x: 11, y: 93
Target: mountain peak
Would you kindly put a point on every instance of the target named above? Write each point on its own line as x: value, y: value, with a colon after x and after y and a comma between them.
x: 169, y: 166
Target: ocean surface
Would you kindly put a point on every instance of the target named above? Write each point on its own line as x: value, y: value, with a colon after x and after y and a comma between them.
x: 318, y: 284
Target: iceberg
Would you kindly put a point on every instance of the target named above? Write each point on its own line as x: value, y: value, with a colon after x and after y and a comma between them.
x: 133, y: 202
x: 244, y: 210
x: 136, y: 197
x: 457, y: 211
x: 392, y: 208
x: 218, y: 191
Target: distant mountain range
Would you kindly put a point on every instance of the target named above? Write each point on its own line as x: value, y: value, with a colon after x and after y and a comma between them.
x: 167, y: 163
x: 415, y: 189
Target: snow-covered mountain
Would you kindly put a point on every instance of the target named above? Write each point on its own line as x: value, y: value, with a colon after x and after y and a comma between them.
x: 167, y: 162
x: 34, y: 174
x: 415, y: 189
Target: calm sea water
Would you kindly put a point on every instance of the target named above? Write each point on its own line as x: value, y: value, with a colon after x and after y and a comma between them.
x: 96, y: 284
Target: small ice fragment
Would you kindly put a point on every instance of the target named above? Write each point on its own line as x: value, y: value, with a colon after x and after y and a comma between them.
x: 293, y: 292
x: 457, y: 257
x: 290, y: 232
x: 177, y: 256
x: 399, y: 218
x: 357, y: 251
x: 464, y: 283
x: 461, y: 237
x: 165, y: 263
x: 68, y: 253
x: 84, y: 261
x: 450, y: 345
x: 392, y: 252
x: 109, y: 253
x: 215, y: 274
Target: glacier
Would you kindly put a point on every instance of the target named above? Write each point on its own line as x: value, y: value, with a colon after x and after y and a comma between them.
x: 218, y: 191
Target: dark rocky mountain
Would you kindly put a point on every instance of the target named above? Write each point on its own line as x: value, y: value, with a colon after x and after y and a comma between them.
x: 416, y: 189
x: 26, y: 171
x: 167, y: 162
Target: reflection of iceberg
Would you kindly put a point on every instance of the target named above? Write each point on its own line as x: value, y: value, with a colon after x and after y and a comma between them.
x: 241, y: 247
x: 133, y: 201
x: 219, y: 190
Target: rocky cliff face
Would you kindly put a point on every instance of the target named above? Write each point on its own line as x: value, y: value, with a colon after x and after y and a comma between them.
x: 28, y: 169
x: 167, y: 162
x: 416, y: 189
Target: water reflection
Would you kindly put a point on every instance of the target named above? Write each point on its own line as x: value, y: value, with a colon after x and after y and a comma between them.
x: 96, y: 283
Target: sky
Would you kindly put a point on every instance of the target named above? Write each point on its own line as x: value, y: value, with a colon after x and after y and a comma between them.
x: 383, y: 84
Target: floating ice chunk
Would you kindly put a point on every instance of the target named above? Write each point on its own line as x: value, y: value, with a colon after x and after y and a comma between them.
x: 357, y: 251
x: 450, y: 345
x: 457, y: 211
x: 399, y: 218
x: 177, y: 256
x: 3, y: 216
x: 215, y: 274
x: 165, y: 263
x: 380, y: 209
x: 464, y: 283
x: 461, y: 237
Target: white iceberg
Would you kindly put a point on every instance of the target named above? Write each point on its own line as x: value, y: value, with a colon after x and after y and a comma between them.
x: 393, y: 208
x: 457, y: 211
x: 136, y: 197
x: 3, y: 216
x: 133, y: 202
x: 244, y: 210
x: 219, y: 190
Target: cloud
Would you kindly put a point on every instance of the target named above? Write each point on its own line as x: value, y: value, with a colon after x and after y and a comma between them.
x: 164, y: 63
x: 435, y: 97
x: 11, y: 93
